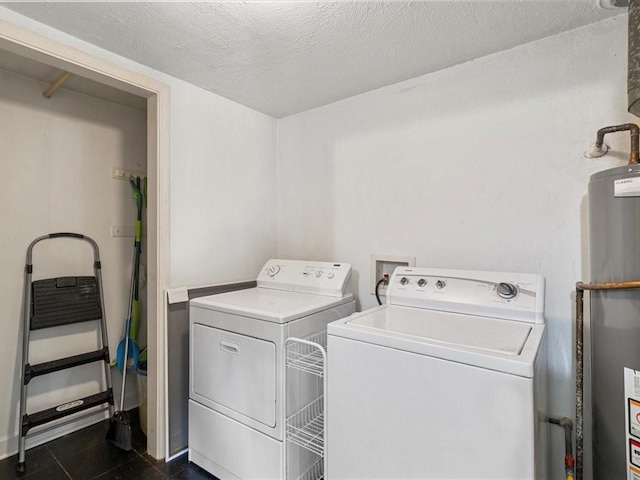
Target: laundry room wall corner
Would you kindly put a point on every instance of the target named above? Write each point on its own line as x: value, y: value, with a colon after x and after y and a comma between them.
x: 478, y: 166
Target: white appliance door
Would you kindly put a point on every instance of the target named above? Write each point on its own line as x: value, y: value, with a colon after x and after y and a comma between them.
x: 395, y: 415
x: 235, y: 371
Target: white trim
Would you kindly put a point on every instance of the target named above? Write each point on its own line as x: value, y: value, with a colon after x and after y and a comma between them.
x: 176, y: 455
x: 9, y: 444
x: 166, y: 383
x: 40, y: 48
x: 177, y: 291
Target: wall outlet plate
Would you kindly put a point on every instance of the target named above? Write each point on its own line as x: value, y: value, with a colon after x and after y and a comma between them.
x: 123, y: 231
x: 386, y: 264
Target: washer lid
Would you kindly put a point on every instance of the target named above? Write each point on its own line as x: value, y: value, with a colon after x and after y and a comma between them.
x: 496, y: 344
x: 277, y: 306
x: 492, y: 335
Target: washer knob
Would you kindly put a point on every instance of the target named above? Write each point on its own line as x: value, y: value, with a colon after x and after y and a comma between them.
x: 422, y: 282
x: 404, y: 281
x: 273, y: 270
x: 330, y: 275
x: 506, y: 290
x: 318, y: 273
x: 440, y: 284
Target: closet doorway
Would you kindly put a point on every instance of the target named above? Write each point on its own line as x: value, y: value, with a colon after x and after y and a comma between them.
x: 26, y: 48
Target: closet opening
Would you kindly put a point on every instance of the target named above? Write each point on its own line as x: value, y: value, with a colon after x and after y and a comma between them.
x: 73, y: 162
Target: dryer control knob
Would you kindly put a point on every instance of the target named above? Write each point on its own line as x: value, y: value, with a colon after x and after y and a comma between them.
x: 441, y: 284
x: 404, y: 281
x: 330, y: 275
x: 422, y: 282
x: 318, y: 273
x: 506, y: 290
x: 273, y: 270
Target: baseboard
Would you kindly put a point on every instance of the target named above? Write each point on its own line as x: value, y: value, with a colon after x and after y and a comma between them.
x: 9, y: 444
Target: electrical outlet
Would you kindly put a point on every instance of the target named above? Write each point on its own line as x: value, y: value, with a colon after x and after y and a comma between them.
x: 386, y: 264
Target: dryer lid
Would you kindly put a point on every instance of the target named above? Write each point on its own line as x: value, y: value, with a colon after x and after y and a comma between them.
x: 277, y: 306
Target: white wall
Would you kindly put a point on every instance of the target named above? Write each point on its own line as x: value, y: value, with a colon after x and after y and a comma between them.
x: 222, y: 197
x: 223, y: 188
x: 57, y: 157
x: 478, y: 166
x: 222, y: 180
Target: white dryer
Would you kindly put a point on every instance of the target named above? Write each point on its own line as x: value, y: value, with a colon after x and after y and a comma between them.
x: 236, y: 381
x: 447, y: 380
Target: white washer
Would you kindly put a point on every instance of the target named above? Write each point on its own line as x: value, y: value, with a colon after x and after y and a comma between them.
x: 236, y: 381
x: 447, y: 380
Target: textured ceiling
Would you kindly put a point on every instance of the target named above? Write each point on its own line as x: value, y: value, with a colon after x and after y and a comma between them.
x: 284, y: 57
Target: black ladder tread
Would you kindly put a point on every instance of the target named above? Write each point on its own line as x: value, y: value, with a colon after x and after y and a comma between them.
x: 35, y: 419
x: 64, y: 363
x: 64, y: 300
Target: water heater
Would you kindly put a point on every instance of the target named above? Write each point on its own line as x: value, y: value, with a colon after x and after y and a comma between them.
x: 633, y: 70
x: 614, y: 238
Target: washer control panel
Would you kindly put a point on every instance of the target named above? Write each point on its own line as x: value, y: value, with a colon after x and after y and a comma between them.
x: 320, y: 278
x: 514, y: 296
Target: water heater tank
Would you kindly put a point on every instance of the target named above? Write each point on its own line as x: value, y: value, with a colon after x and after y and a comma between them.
x: 614, y: 256
x: 633, y: 69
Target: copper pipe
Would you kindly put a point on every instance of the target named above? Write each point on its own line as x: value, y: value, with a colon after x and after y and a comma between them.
x: 609, y: 285
x: 567, y: 425
x: 579, y: 380
x: 634, y: 131
x: 580, y: 288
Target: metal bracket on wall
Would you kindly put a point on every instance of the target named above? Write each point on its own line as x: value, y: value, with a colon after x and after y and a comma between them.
x: 56, y: 85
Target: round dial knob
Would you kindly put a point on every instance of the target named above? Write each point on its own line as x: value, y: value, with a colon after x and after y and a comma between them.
x: 404, y: 281
x: 422, y: 282
x: 441, y: 284
x: 273, y: 270
x: 318, y: 273
x: 330, y: 275
x: 506, y: 290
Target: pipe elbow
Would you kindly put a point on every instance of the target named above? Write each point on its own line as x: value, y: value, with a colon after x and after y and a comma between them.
x: 634, y: 131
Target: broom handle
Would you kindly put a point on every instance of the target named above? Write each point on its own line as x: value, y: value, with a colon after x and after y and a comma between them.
x: 126, y: 342
x: 124, y: 366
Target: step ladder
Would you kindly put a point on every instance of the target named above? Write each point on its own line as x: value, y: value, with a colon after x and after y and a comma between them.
x: 51, y: 303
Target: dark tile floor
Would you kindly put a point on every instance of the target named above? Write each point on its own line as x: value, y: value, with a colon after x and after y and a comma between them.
x: 85, y: 455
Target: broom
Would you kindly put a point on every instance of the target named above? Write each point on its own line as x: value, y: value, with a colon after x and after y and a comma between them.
x: 119, y: 432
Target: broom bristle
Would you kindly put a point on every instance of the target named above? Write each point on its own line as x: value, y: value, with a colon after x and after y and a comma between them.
x: 119, y: 432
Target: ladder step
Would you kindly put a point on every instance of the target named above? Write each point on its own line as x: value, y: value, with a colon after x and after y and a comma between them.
x: 45, y: 416
x: 32, y: 371
x: 64, y: 300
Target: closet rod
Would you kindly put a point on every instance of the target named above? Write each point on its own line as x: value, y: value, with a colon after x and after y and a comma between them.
x: 57, y: 84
